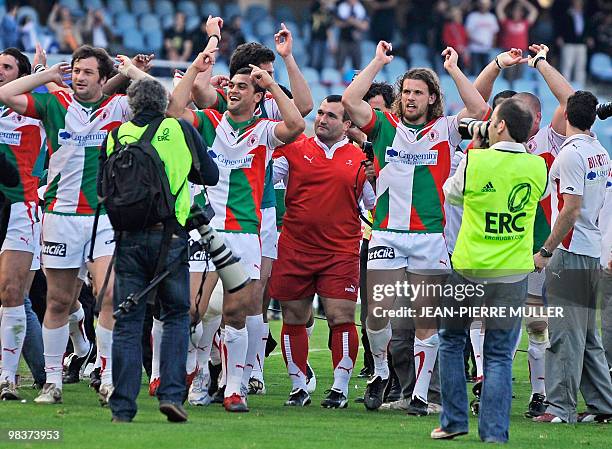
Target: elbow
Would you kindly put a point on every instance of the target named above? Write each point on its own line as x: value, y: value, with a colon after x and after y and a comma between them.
x: 306, y: 108
x: 482, y: 110
x: 297, y: 127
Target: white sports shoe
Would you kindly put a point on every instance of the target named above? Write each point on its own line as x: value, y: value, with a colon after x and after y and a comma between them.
x: 198, y: 392
x: 106, y: 390
x: 50, y: 394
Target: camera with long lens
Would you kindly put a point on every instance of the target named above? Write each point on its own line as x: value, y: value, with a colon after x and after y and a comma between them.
x: 604, y: 110
x: 227, y: 265
x: 469, y: 127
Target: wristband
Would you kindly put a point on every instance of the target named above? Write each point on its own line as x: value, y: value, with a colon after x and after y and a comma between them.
x: 535, y: 62
x: 498, y: 65
x: 215, y: 36
x: 39, y: 68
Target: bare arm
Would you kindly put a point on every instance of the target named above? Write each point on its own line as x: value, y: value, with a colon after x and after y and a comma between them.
x: 565, y: 220
x: 12, y: 94
x: 475, y: 106
x: 181, y: 96
x: 557, y: 84
x: 203, y: 94
x: 532, y: 12
x: 292, y: 124
x: 500, y: 9
x: 140, y: 61
x: 358, y: 110
x: 485, y: 80
x: 302, y: 98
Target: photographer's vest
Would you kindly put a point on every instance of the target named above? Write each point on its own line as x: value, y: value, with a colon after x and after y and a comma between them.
x: 169, y: 141
x: 501, y: 194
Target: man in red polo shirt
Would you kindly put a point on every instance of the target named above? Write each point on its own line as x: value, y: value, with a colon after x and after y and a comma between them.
x: 318, y: 250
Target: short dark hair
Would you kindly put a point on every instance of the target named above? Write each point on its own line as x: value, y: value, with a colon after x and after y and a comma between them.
x: 580, y: 109
x: 105, y: 63
x: 383, y: 89
x: 247, y: 71
x: 517, y: 117
x: 249, y: 53
x: 338, y: 99
x: 503, y: 95
x: 23, y: 63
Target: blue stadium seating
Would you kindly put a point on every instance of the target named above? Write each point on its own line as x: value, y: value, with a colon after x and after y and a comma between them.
x: 141, y: 7
x: 188, y: 8
x: 264, y: 28
x: 256, y: 12
x: 133, y: 40
x: 149, y: 22
x: 154, y: 41
x: 601, y: 67
x: 210, y: 9
x: 125, y: 21
x: 220, y: 68
x: 284, y: 14
x: 230, y: 10
x: 330, y: 76
x: 116, y: 6
x: 27, y: 11
x: 163, y: 8
x: 310, y: 75
x: 192, y: 23
x: 94, y: 4
x: 418, y: 51
x: 523, y: 85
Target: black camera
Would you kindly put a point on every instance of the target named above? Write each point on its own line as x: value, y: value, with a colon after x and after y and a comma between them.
x: 368, y: 150
x: 469, y: 127
x: 604, y: 110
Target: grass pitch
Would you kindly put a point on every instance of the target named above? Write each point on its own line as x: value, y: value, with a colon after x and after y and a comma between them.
x: 86, y: 425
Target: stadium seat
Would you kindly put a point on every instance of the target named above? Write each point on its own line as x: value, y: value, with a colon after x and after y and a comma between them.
x: 330, y: 76
x: 133, y: 40
x: 500, y: 84
x: 230, y: 10
x: 310, y: 75
x: 95, y: 4
x: 368, y: 49
x: 426, y: 63
x: 418, y: 51
x: 154, y: 41
x: 337, y: 89
x: 116, y: 6
x: 292, y: 26
x: 141, y: 7
x: 319, y: 92
x: 523, y: 85
x: 163, y: 8
x: 220, y: 68
x: 125, y: 21
x: 284, y: 13
x: 72, y: 5
x: 188, y: 8
x: 192, y: 23
x: 256, y: 12
x: 281, y: 76
x: 149, y: 22
x: 601, y: 67
x: 209, y: 8
x: 264, y: 28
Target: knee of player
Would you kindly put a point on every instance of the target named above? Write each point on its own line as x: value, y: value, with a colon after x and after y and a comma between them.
x: 11, y: 293
x: 58, y: 307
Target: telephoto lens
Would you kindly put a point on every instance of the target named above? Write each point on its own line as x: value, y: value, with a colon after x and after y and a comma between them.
x: 604, y: 110
x: 468, y: 127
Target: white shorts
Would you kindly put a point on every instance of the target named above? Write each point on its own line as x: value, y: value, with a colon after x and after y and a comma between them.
x: 245, y: 246
x: 23, y: 231
x: 269, y: 233
x: 417, y: 253
x: 67, y: 239
x: 535, y: 283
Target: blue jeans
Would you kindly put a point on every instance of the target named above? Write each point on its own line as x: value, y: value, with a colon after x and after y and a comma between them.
x: 500, y: 338
x: 136, y: 259
x: 33, y: 349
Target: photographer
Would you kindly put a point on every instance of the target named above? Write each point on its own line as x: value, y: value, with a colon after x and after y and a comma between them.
x: 499, y: 189
x: 138, y: 256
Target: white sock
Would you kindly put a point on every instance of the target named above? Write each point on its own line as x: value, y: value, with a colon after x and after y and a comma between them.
x: 105, y: 349
x: 379, y: 341
x: 210, y: 327
x: 310, y: 329
x: 13, y: 330
x: 192, y: 351
x: 54, y: 341
x: 215, y: 350
x: 344, y: 369
x: 157, y: 331
x: 518, y: 342
x: 476, y: 337
x: 1, y: 312
x: 236, y: 342
x: 537, y: 371
x: 254, y: 325
x: 223, y: 358
x: 77, y: 332
x: 425, y: 353
x: 261, y: 353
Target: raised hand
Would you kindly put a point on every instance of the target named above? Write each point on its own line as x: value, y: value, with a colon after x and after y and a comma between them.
x: 284, y: 41
x: 205, y: 60
x: 40, y: 57
x: 450, y: 58
x: 214, y: 25
x: 382, y: 50
x: 261, y: 77
x: 511, y: 57
x: 124, y: 64
x: 59, y: 73
x: 143, y: 62
x: 219, y: 81
x: 541, y: 52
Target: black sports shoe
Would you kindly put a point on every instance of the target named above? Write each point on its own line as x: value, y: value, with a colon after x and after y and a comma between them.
x: 394, y: 393
x: 73, y: 373
x: 475, y: 406
x: 271, y: 344
x: 586, y: 417
x: 373, y: 396
x: 95, y: 379
x: 334, y: 399
x: 298, y: 398
x: 173, y: 410
x: 417, y: 407
x: 365, y: 372
x: 218, y: 396
x: 214, y: 371
x: 536, y: 406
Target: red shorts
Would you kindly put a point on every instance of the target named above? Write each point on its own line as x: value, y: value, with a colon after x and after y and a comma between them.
x: 297, y: 275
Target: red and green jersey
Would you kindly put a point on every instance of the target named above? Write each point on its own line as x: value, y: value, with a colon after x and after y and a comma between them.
x: 412, y: 163
x: 242, y: 152
x: 75, y: 131
x: 21, y: 140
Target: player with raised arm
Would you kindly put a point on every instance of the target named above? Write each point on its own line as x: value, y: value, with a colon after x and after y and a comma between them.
x: 412, y: 154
